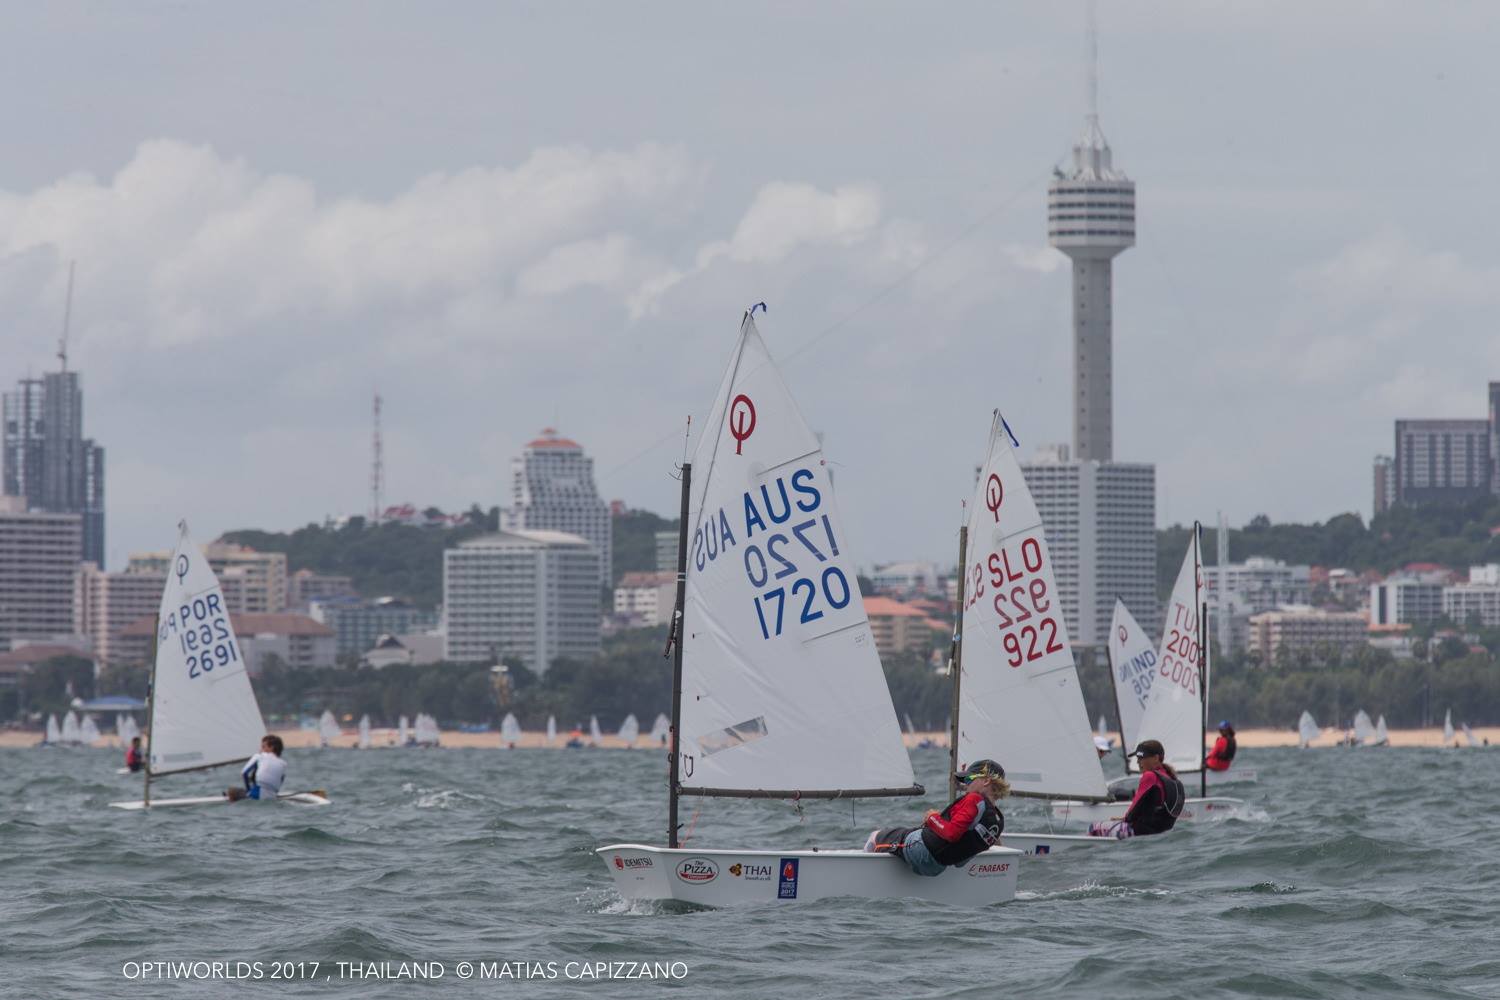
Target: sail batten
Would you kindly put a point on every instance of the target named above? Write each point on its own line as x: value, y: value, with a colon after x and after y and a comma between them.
x: 1019, y: 701
x: 783, y: 694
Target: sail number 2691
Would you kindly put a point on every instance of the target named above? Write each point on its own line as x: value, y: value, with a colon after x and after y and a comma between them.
x: 1021, y: 602
x: 207, y: 646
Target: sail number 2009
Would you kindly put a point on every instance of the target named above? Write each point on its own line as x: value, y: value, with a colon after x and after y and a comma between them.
x: 1021, y: 602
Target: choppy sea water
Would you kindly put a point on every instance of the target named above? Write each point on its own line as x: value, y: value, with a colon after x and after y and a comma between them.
x: 1365, y: 873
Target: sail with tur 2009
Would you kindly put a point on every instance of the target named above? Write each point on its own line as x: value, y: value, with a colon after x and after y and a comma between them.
x: 782, y: 692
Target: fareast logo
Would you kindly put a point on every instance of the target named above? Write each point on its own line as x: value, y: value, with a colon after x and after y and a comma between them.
x: 989, y: 869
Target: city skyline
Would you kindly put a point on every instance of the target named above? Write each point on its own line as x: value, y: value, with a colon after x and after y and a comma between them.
x: 247, y: 276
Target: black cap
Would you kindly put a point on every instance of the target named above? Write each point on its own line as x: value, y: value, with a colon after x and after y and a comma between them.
x: 1149, y: 748
x: 984, y: 768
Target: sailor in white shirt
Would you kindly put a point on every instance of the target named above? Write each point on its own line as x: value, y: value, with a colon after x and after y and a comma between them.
x: 264, y: 773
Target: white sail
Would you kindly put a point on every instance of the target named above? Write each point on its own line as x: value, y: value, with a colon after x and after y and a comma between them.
x: 1469, y: 735
x: 1307, y: 729
x: 427, y: 732
x: 203, y: 710
x: 782, y: 689
x: 660, y: 730
x: 1364, y: 729
x: 364, y: 732
x: 328, y: 728
x: 1448, y: 733
x: 1019, y: 697
x: 630, y: 730
x: 1132, y: 663
x: 910, y: 729
x: 88, y: 731
x: 1174, y: 711
x: 1382, y: 737
x: 54, y: 731
x: 125, y: 729
x: 510, y: 729
x: 551, y: 729
x: 403, y: 732
x: 595, y: 736
x: 71, y: 732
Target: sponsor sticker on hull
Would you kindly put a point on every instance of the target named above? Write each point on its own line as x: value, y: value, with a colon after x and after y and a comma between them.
x: 988, y: 869
x: 697, y: 871
x: 786, y: 882
x: 631, y: 864
x: 751, y: 872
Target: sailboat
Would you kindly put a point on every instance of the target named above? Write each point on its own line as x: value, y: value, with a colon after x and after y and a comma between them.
x: 1382, y: 737
x: 510, y: 730
x: 54, y: 731
x: 659, y: 730
x: 777, y: 690
x: 364, y: 732
x: 202, y: 712
x: 72, y: 733
x: 1364, y: 729
x: 1448, y: 734
x: 125, y: 729
x: 630, y: 731
x: 551, y: 730
x: 427, y: 733
x: 1016, y: 684
x: 403, y: 732
x: 88, y: 731
x: 596, y: 738
x: 328, y: 728
x: 1176, y: 712
x: 1469, y: 735
x: 1307, y: 730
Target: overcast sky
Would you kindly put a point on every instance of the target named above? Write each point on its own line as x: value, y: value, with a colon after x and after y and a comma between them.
x: 508, y: 216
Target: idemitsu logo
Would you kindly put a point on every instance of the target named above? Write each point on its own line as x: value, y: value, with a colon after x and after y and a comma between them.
x: 697, y: 870
x: 628, y: 863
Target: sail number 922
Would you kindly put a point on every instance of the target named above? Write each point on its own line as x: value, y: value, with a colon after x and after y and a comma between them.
x: 1022, y: 604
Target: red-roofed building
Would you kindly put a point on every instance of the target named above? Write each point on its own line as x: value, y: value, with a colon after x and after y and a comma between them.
x: 898, y: 627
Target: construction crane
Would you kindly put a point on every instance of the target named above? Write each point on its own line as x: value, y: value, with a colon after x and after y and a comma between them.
x: 62, y: 343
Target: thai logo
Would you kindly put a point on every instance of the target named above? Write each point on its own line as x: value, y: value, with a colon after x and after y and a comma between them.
x: 741, y: 421
x: 751, y: 872
x: 735, y: 870
x: 697, y: 870
x: 989, y: 869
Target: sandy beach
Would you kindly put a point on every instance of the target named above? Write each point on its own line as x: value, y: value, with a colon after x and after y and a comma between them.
x: 306, y: 738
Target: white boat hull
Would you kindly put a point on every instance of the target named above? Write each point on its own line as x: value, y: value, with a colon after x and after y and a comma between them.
x: 1044, y: 844
x: 295, y: 798
x: 1076, y: 816
x: 724, y: 878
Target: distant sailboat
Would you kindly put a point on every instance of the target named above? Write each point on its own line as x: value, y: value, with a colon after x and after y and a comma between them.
x: 364, y: 732
x: 1132, y: 662
x: 1364, y: 729
x: 88, y: 731
x: 596, y: 738
x: 403, y: 732
x: 910, y: 729
x: 1448, y: 734
x: 72, y: 733
x: 1307, y: 730
x: 328, y: 729
x: 551, y: 730
x: 54, y: 731
x: 660, y: 730
x: 203, y: 713
x: 1382, y: 738
x: 630, y: 731
x: 1469, y: 735
x: 510, y: 730
x: 427, y: 732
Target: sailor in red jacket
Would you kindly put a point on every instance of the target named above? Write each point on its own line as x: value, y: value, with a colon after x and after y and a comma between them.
x: 970, y: 825
x: 1158, y: 801
x: 1220, y: 757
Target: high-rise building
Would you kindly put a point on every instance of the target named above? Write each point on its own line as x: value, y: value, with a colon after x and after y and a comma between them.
x: 39, y: 555
x: 1442, y: 461
x: 1410, y: 597
x: 48, y: 462
x: 105, y: 603
x: 552, y: 489
x: 1385, y: 484
x: 1100, y: 520
x: 532, y: 595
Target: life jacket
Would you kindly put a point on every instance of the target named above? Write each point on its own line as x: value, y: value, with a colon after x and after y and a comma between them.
x: 1158, y: 813
x: 976, y: 840
x: 1229, y: 749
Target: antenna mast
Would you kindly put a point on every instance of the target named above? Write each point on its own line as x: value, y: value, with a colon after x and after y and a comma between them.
x: 62, y: 343
x: 1093, y: 11
x: 377, y: 469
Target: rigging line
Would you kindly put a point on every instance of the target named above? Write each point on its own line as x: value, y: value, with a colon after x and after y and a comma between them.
x: 959, y: 237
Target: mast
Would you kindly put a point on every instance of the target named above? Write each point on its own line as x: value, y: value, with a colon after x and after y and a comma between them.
x: 1114, y: 692
x: 1202, y: 659
x: 957, y: 657
x: 150, y: 712
x: 675, y: 641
